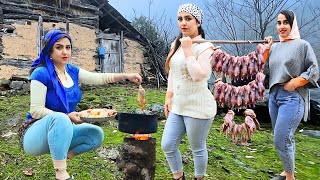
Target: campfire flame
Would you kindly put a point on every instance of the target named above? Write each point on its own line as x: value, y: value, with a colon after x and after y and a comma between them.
x: 140, y: 137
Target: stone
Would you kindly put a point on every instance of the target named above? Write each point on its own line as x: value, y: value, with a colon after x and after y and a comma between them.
x: 17, y: 85
x: 311, y: 133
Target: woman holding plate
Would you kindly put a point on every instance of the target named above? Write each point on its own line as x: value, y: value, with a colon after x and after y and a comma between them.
x: 53, y: 126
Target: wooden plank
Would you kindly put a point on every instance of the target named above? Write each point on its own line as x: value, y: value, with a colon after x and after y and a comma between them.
x: 39, y: 6
x: 19, y: 63
x: 16, y: 9
x: 90, y: 24
x: 111, y: 61
x: 121, y: 61
x: 1, y: 16
x: 39, y: 35
x: 112, y: 36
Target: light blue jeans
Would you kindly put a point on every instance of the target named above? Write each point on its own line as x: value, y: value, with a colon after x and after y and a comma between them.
x: 286, y: 111
x: 55, y: 134
x: 197, y: 131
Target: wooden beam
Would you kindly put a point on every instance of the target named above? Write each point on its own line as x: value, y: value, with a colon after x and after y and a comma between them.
x: 39, y: 35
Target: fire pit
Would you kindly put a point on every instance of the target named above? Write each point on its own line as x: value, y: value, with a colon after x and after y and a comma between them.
x: 138, y: 153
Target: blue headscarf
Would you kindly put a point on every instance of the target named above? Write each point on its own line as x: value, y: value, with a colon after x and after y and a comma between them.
x: 44, y: 58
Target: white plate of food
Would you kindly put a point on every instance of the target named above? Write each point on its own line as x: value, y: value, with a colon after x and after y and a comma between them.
x: 97, y: 115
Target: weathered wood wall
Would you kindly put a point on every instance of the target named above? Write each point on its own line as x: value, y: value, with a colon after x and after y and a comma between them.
x: 19, y: 31
x: 19, y: 22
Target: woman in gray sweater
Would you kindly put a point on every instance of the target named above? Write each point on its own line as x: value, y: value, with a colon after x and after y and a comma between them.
x: 293, y: 69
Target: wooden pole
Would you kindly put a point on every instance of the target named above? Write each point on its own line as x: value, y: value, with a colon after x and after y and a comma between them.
x: 232, y: 42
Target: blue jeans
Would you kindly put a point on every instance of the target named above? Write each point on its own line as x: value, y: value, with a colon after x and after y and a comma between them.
x: 286, y: 111
x: 55, y: 134
x: 197, y: 131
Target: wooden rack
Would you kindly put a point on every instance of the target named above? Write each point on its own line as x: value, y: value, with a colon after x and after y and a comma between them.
x: 232, y: 42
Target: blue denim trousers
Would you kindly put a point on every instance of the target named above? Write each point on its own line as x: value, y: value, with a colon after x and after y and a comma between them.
x: 197, y: 131
x: 286, y: 111
x: 55, y: 134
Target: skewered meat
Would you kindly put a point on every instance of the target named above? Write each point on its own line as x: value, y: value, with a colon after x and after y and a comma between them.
x: 223, y: 87
x: 215, y: 57
x: 260, y: 79
x: 141, y: 97
x: 241, y: 96
x: 228, y: 122
x: 225, y: 63
x: 246, y: 93
x: 250, y: 112
x: 251, y: 126
x: 244, y: 65
x: 238, y: 67
x: 239, y: 130
x: 217, y: 89
x: 227, y: 97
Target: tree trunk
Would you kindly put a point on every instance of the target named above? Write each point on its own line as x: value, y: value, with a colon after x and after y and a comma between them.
x: 138, y: 159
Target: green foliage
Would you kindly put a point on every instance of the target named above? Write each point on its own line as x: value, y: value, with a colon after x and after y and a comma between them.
x: 227, y: 161
x: 149, y: 29
x: 146, y: 27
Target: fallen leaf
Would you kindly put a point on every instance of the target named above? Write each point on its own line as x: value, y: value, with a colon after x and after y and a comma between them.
x: 28, y: 173
x: 249, y: 157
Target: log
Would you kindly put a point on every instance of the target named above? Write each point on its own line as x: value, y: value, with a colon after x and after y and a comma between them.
x: 138, y: 159
x: 39, y: 35
x: 1, y: 15
x: 19, y: 63
x: 84, y: 22
x: 15, y: 9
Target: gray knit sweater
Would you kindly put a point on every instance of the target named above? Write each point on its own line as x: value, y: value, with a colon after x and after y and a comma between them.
x: 291, y: 59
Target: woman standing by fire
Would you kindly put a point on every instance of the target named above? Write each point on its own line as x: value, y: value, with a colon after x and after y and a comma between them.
x: 293, y: 69
x: 53, y: 125
x: 189, y: 104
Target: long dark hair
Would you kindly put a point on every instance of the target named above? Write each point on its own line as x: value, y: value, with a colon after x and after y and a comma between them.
x: 177, y: 44
x: 43, y: 63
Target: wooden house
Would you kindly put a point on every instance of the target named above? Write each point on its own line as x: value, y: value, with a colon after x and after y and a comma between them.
x: 104, y: 41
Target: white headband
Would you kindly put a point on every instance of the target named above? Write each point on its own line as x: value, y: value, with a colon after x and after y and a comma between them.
x: 193, y: 10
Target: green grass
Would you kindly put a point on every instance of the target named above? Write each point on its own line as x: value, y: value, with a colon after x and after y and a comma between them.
x: 227, y: 161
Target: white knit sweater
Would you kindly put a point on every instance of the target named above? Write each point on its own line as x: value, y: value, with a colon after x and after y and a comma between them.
x: 191, y: 98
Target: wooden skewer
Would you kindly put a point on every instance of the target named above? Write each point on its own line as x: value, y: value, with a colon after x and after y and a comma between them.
x: 232, y: 42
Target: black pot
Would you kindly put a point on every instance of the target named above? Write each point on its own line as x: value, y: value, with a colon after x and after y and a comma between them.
x: 137, y: 123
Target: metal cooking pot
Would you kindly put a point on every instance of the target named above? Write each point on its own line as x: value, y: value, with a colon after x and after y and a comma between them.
x: 137, y: 123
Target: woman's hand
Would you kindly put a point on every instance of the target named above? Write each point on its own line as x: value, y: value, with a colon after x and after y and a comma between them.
x: 269, y: 40
x: 289, y: 86
x: 133, y: 77
x: 167, y: 107
x: 168, y: 104
x: 186, y: 45
x: 75, y: 117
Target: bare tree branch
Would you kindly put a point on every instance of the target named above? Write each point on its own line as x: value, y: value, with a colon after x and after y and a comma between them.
x: 254, y: 19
